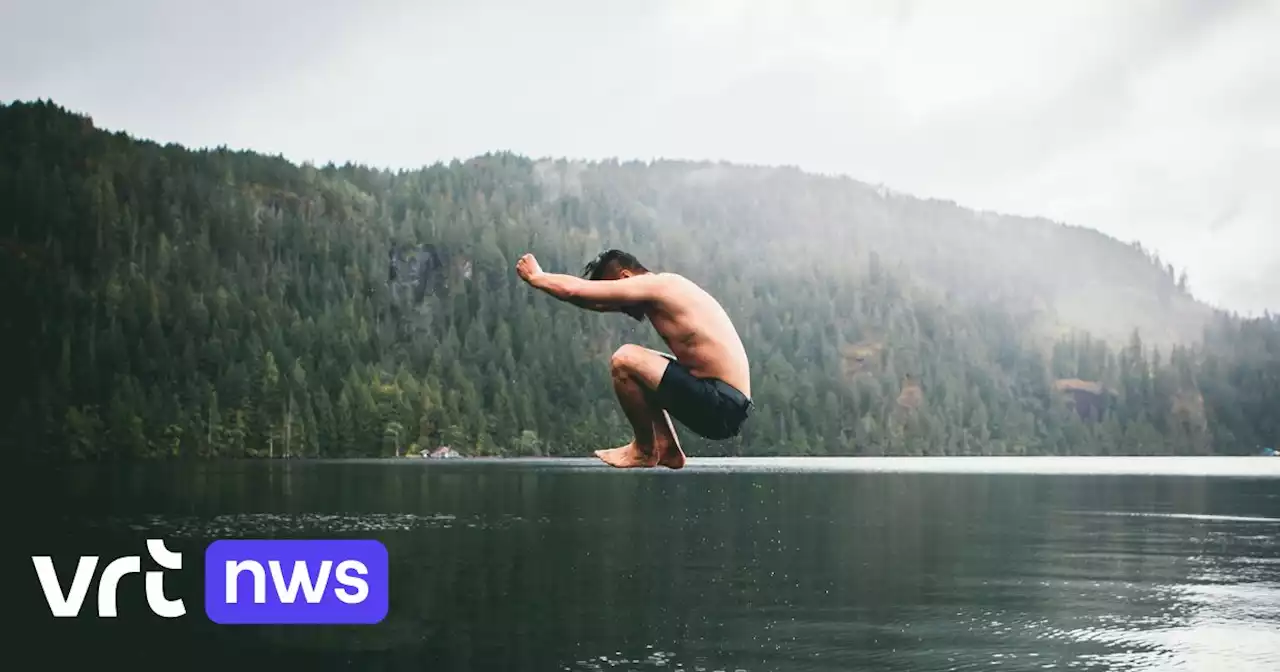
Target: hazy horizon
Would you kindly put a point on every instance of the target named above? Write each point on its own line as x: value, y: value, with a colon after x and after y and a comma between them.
x: 1153, y: 121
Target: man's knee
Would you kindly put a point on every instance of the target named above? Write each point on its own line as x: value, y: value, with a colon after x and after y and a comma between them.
x: 625, y: 358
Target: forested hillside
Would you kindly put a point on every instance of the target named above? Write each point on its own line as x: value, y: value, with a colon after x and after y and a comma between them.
x: 167, y: 302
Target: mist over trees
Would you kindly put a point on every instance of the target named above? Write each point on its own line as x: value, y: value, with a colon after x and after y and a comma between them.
x: 162, y: 302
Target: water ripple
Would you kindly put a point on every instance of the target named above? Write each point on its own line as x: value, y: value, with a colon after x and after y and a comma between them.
x: 293, y: 524
x: 650, y: 659
x: 1181, y: 516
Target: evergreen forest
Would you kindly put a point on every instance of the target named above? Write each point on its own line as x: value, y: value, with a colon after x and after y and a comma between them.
x: 166, y: 302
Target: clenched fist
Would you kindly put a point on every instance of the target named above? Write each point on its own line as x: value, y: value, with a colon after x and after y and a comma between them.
x: 527, y: 268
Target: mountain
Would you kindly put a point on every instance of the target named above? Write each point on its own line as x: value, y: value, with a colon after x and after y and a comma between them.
x: 170, y: 302
x: 1072, y: 278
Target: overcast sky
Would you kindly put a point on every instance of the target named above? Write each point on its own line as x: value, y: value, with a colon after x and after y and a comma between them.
x: 1151, y: 121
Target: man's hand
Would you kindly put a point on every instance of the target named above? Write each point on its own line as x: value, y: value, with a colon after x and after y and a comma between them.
x: 527, y: 268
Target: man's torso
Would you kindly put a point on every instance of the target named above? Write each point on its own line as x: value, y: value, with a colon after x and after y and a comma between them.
x: 700, y: 334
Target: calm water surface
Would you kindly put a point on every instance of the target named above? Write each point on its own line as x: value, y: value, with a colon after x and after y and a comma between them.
x: 916, y: 564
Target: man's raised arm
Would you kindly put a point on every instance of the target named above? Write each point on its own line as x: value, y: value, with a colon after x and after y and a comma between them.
x: 598, y: 295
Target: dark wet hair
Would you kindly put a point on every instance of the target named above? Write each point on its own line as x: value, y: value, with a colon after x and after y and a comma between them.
x: 613, y: 261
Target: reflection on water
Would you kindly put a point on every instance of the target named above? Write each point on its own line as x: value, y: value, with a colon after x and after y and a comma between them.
x: 564, y: 565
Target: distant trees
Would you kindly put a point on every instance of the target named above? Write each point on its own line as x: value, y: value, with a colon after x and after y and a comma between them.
x: 168, y: 303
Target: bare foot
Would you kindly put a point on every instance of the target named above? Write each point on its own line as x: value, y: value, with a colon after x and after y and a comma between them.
x: 668, y: 450
x: 627, y: 457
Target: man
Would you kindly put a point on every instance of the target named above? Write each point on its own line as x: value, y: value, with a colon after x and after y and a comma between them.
x: 706, y: 385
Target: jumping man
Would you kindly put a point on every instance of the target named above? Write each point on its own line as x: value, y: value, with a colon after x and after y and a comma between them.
x: 706, y: 385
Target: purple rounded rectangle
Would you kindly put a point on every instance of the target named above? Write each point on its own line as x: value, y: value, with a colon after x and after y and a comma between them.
x: 295, y: 581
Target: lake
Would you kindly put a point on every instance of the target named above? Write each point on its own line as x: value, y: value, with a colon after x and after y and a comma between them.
x: 770, y: 564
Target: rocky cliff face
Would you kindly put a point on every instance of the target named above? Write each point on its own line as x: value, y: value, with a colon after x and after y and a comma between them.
x: 414, y: 271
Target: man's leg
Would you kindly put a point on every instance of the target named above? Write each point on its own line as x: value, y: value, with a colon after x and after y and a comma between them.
x: 666, y: 443
x: 636, y: 374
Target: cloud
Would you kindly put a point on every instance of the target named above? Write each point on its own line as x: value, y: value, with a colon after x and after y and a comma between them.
x: 1148, y: 119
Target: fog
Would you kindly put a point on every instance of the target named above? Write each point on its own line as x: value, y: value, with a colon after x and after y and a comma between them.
x: 1150, y: 121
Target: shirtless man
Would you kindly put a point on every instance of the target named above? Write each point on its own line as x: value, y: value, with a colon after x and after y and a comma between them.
x: 706, y: 386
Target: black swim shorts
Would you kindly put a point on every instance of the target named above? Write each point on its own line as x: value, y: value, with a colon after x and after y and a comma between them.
x: 710, y: 407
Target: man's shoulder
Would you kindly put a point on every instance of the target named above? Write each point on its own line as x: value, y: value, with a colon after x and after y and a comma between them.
x: 675, y: 286
x: 670, y: 280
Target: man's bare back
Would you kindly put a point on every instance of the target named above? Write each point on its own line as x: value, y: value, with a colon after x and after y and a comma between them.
x: 705, y: 384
